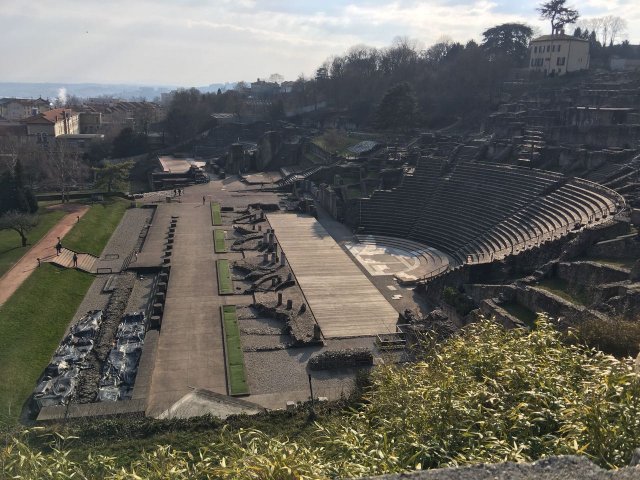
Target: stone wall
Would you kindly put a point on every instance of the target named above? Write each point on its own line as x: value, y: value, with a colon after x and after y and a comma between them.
x: 621, y: 136
x: 568, y: 314
x: 623, y: 247
x: 479, y: 291
x: 587, y: 276
x: 490, y: 309
x: 336, y: 359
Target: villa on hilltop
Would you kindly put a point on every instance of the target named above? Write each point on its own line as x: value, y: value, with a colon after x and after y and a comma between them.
x: 558, y: 54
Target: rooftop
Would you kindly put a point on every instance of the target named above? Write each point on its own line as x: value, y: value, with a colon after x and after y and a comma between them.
x: 50, y: 116
x: 559, y: 36
x: 178, y: 165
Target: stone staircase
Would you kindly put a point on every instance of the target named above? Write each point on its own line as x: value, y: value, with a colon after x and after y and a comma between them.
x: 86, y: 261
x: 530, y: 147
x: 303, y: 175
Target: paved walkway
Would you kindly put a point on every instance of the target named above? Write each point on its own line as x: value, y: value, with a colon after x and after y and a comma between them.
x: 190, y: 352
x: 43, y: 249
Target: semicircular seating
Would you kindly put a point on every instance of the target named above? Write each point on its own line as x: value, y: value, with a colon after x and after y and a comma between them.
x: 480, y: 212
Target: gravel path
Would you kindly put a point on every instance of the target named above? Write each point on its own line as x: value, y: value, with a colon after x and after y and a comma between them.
x: 280, y: 371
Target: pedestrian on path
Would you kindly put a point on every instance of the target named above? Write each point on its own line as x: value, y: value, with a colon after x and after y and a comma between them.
x: 78, y: 219
x: 203, y: 199
x: 59, y: 246
x: 75, y: 259
x: 38, y: 261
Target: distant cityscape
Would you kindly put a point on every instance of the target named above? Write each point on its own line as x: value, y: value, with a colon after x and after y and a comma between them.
x: 86, y: 90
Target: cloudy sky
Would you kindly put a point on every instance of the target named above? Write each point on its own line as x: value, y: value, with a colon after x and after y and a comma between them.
x: 198, y: 42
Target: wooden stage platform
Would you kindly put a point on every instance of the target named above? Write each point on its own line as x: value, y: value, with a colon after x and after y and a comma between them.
x: 343, y: 300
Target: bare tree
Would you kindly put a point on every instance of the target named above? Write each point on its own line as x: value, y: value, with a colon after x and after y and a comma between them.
x: 276, y: 78
x: 19, y: 222
x: 616, y: 27
x: 608, y: 29
x: 9, y: 149
x: 64, y: 166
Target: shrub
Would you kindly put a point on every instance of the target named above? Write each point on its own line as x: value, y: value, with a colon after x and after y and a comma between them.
x: 486, y: 395
x: 615, y: 337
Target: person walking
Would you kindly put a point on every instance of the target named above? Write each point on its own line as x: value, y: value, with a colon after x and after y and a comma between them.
x: 203, y: 199
x: 75, y: 260
x: 58, y: 247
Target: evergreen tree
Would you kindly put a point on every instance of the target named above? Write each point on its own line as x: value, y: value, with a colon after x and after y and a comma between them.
x: 397, y: 110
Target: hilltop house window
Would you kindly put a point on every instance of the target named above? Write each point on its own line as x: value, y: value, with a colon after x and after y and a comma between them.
x: 559, y: 47
x: 560, y: 61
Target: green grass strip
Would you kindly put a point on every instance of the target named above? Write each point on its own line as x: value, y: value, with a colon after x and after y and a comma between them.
x: 11, y: 249
x: 216, y: 214
x: 225, y: 284
x: 32, y: 323
x: 94, y: 230
x: 219, y: 244
x: 236, y: 373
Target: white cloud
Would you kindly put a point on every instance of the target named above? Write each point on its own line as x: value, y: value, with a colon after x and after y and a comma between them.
x: 195, y: 42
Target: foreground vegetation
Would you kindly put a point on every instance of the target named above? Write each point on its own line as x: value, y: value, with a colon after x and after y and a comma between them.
x: 32, y: 322
x: 487, y: 395
x: 94, y: 230
x: 10, y: 249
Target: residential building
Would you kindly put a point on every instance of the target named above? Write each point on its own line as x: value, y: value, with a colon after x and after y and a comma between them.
x: 52, y: 123
x: 260, y: 88
x: 20, y: 108
x: 558, y: 54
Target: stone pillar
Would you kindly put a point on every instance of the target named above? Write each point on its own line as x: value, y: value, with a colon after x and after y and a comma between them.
x: 265, y: 258
x: 279, y: 299
x: 289, y: 304
x: 271, y: 239
x: 289, y: 277
x: 265, y: 238
x: 274, y: 281
x: 273, y: 258
x: 282, y: 259
x: 303, y: 308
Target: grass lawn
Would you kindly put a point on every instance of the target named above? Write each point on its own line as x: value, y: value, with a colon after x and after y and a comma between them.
x: 233, y: 349
x: 32, y: 323
x: 10, y: 249
x: 334, y: 141
x: 559, y: 287
x: 521, y: 312
x: 225, y: 284
x: 218, y: 241
x: 216, y: 215
x: 96, y: 226
x: 614, y: 262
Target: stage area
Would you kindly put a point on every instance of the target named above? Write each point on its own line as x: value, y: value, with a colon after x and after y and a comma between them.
x: 407, y: 261
x: 343, y: 300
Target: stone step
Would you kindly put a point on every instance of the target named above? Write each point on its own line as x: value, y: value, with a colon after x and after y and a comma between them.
x: 86, y: 262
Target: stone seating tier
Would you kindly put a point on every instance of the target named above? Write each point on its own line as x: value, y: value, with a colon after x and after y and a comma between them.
x: 484, y: 211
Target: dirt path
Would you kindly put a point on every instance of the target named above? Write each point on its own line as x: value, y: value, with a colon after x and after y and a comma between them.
x: 44, y: 248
